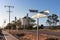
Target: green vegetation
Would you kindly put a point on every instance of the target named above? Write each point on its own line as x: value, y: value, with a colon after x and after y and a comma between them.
x: 53, y: 20
x: 18, y: 23
x: 52, y: 23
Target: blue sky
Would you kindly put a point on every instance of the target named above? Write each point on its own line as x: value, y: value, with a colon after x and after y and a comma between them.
x: 21, y: 8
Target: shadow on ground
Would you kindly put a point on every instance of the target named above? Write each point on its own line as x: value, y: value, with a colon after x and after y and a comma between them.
x: 52, y: 39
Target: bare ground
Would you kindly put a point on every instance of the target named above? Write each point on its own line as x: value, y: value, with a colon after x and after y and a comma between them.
x: 30, y: 36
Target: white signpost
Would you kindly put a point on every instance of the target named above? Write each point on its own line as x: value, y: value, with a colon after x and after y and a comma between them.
x: 40, y: 15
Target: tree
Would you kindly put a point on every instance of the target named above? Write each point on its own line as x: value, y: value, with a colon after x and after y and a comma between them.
x: 19, y: 24
x: 8, y: 26
x: 11, y: 25
x: 52, y: 20
x: 49, y: 22
x: 55, y: 19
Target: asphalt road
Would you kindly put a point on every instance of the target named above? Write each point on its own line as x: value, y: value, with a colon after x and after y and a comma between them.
x: 1, y: 35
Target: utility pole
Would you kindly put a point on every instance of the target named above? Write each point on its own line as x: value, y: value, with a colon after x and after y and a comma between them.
x: 9, y: 11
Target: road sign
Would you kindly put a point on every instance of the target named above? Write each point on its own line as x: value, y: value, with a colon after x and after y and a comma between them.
x: 46, y: 12
x: 33, y: 10
x: 39, y: 15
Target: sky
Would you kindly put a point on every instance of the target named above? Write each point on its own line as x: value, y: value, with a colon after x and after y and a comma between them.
x: 21, y: 8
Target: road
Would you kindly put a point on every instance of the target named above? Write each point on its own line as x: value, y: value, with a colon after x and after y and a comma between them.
x: 1, y: 35
x: 8, y: 36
